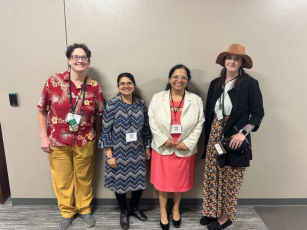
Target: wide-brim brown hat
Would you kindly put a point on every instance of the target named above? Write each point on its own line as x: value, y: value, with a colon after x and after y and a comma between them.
x: 235, y: 49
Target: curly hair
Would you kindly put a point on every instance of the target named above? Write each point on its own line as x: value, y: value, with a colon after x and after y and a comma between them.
x: 71, y: 48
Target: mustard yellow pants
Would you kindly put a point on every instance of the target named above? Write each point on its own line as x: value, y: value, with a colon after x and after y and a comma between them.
x: 72, y: 170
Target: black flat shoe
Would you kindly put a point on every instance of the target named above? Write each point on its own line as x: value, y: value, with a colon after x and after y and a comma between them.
x: 215, y: 225
x: 206, y: 220
x: 226, y: 224
x: 164, y: 226
x: 124, y: 219
x: 177, y: 223
x: 138, y: 214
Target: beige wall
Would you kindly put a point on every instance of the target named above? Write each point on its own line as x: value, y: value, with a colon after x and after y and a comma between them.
x: 147, y: 38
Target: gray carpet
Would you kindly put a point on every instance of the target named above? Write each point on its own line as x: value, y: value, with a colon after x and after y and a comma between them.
x: 48, y: 217
x: 283, y: 217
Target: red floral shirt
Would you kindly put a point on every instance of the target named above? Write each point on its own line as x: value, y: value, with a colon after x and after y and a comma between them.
x: 55, y: 100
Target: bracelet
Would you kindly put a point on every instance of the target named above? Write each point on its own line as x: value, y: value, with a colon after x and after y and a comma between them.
x: 108, y: 158
x: 147, y: 146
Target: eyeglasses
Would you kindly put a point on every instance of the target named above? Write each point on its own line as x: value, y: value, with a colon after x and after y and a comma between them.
x: 126, y: 83
x: 178, y: 77
x: 76, y: 58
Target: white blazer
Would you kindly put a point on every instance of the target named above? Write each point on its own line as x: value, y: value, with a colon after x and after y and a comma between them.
x: 192, y: 119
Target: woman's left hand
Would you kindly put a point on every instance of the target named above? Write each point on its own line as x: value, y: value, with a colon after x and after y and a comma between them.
x: 97, y: 141
x: 148, y: 153
x: 236, y: 140
x: 181, y: 146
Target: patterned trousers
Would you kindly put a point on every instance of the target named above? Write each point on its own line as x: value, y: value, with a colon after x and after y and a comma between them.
x: 221, y: 185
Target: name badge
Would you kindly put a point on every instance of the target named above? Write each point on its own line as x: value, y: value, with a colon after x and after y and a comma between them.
x: 73, y: 125
x: 219, y: 115
x: 72, y: 116
x: 131, y: 137
x: 219, y: 148
x: 175, y: 129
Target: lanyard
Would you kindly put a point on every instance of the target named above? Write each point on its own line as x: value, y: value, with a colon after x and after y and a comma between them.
x: 176, y: 110
x: 224, y: 95
x: 223, y: 110
x: 73, y: 108
x: 127, y: 112
x: 223, y: 98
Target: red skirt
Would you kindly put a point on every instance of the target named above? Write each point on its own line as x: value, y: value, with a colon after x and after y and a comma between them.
x: 172, y: 173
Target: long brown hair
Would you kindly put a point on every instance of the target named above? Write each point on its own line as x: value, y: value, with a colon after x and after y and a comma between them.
x: 239, y: 83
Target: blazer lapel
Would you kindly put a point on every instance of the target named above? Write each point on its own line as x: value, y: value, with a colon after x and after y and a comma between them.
x: 215, y: 96
x: 165, y: 109
x: 184, y: 118
x: 187, y: 102
x: 234, y: 95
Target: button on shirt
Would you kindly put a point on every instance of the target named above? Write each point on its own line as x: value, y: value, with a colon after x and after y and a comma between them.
x: 55, y: 101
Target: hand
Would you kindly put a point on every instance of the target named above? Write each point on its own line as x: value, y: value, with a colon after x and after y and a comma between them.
x: 236, y: 140
x: 46, y: 145
x: 112, y: 163
x: 170, y: 143
x: 97, y: 140
x: 148, y: 153
x: 181, y: 146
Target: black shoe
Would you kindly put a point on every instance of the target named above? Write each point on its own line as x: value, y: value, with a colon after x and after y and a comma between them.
x: 215, y: 225
x: 164, y: 226
x: 124, y: 219
x: 226, y: 224
x: 177, y: 223
x: 138, y: 214
x: 206, y: 220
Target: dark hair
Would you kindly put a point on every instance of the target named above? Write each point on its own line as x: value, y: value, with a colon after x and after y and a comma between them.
x: 130, y: 76
x: 71, y: 48
x: 179, y: 66
x: 240, y: 82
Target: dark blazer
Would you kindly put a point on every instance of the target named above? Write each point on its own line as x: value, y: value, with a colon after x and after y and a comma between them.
x: 247, y: 108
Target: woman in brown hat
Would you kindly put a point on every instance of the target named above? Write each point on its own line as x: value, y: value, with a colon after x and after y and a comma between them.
x: 234, y: 102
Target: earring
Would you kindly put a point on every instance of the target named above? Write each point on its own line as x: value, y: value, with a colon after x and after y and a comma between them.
x: 224, y: 70
x: 240, y: 71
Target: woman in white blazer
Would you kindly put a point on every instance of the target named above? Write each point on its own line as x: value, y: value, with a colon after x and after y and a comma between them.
x: 176, y: 119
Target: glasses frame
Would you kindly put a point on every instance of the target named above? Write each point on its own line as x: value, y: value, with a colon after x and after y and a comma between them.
x: 183, y: 78
x: 83, y: 58
x: 122, y: 84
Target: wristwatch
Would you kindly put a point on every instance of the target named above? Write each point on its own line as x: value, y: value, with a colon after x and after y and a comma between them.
x: 243, y: 131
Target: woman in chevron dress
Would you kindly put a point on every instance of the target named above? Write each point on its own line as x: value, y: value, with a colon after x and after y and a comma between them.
x: 126, y: 139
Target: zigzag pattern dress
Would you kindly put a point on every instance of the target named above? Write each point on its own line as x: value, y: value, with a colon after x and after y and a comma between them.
x: 118, y: 118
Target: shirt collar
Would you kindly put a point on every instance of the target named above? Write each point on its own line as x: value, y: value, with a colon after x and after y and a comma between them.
x: 89, y: 81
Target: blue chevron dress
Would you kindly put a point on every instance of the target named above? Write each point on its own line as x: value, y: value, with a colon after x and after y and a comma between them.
x: 118, y: 118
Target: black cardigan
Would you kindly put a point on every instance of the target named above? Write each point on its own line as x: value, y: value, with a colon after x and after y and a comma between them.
x: 247, y: 108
